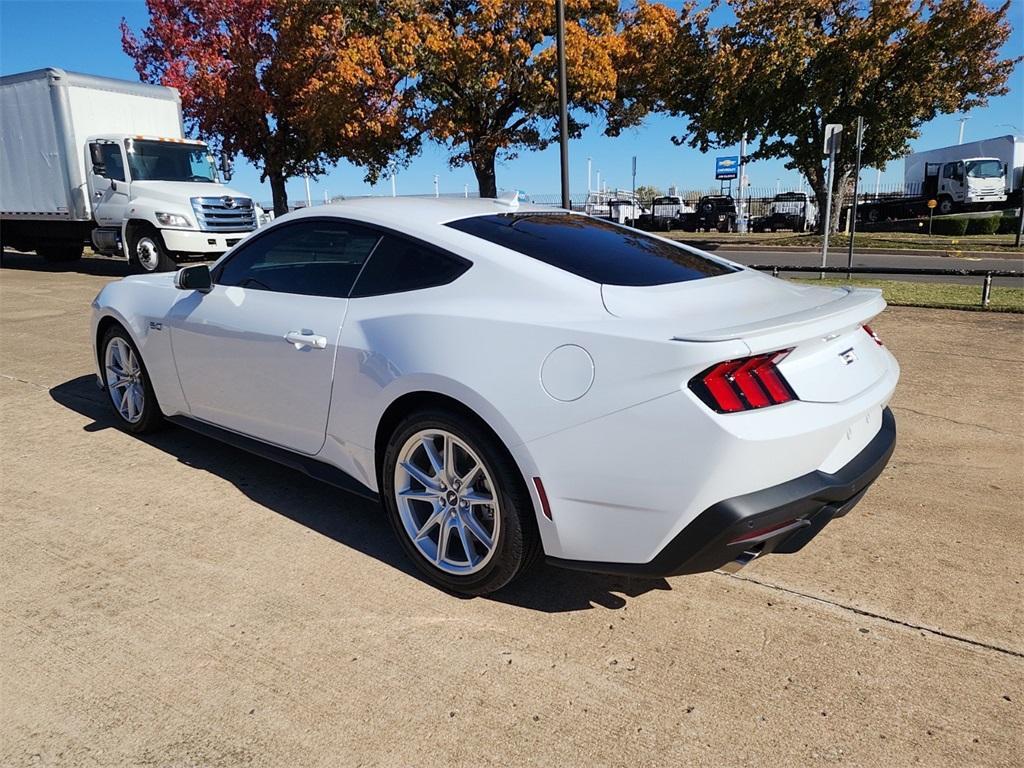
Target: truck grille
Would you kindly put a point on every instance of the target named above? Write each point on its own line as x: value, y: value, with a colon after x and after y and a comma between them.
x: 224, y: 214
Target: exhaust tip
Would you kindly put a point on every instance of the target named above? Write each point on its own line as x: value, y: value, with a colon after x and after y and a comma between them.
x: 744, y: 559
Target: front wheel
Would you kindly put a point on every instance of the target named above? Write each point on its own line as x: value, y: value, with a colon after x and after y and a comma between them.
x: 147, y: 253
x: 127, y: 382
x: 945, y: 206
x: 458, y: 504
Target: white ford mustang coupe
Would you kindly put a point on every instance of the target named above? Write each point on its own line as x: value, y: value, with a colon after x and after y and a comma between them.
x: 512, y: 381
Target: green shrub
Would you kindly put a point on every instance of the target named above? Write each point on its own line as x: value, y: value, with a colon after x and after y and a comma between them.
x: 986, y: 226
x: 953, y: 227
x: 1008, y: 225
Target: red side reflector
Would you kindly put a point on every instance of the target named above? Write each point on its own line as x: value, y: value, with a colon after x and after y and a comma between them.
x: 545, y: 507
x: 874, y: 336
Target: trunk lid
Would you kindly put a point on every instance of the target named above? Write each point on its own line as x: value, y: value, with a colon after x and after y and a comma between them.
x: 832, y: 357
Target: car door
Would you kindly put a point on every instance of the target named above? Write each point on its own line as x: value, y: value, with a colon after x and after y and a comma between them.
x: 107, y: 182
x: 256, y: 354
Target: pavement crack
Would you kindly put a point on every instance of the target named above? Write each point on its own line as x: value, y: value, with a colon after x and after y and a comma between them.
x: 882, y: 617
x: 35, y: 384
x: 954, y: 421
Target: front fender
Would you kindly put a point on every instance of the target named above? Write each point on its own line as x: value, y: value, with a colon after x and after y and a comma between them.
x: 140, y: 306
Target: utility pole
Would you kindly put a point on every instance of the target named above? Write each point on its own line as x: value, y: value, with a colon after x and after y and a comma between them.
x: 394, y: 192
x: 853, y: 209
x: 436, y: 193
x: 563, y: 108
x: 878, y: 181
x: 741, y: 219
x: 960, y: 138
x: 309, y: 199
x: 465, y: 190
x: 589, y: 187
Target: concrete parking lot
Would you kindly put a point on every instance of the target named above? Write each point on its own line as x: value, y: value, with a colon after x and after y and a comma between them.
x: 170, y: 601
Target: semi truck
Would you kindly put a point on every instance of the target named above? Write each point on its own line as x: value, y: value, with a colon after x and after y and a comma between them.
x: 105, y: 161
x: 974, y: 176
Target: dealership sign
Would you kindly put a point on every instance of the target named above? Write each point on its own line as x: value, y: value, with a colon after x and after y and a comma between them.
x: 727, y: 167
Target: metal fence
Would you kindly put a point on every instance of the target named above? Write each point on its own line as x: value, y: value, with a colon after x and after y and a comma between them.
x: 985, y: 275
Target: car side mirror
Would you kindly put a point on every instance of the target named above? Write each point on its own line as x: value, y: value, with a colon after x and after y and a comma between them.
x: 197, y: 278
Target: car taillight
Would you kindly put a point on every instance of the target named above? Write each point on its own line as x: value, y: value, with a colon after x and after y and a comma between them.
x: 744, y: 384
x: 874, y: 336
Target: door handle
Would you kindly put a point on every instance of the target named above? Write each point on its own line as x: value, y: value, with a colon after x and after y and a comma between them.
x: 306, y: 338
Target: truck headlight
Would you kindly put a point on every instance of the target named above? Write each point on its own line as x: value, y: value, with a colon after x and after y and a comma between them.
x: 173, y: 220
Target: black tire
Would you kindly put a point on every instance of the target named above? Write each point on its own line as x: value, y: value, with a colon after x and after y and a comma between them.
x: 668, y: 226
x: 154, y: 257
x: 60, y: 251
x: 945, y: 206
x: 151, y: 418
x: 518, y: 542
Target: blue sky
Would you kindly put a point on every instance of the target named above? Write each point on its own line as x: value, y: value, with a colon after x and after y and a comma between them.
x: 83, y: 36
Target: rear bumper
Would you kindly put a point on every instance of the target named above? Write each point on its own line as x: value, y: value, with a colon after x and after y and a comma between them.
x: 780, y: 519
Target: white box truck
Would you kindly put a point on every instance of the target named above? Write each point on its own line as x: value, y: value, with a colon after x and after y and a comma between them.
x: 85, y: 158
x: 971, y: 176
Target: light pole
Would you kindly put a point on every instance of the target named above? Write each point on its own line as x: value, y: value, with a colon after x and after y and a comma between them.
x: 589, y: 187
x: 853, y: 210
x: 435, y: 186
x: 563, y: 108
x: 963, y: 121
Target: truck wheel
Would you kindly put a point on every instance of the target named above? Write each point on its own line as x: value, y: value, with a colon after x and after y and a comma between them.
x: 945, y: 206
x: 146, y: 251
x: 57, y: 252
x: 668, y: 225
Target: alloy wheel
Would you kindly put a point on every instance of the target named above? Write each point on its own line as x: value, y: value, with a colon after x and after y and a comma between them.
x: 447, y: 502
x: 124, y: 379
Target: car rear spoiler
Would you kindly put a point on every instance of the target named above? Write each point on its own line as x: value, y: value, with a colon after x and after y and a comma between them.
x: 856, y: 306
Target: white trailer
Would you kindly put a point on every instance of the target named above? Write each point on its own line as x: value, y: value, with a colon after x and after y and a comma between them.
x: 93, y: 158
x: 970, y: 176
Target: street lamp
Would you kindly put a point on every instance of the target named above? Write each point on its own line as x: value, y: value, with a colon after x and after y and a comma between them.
x: 563, y: 108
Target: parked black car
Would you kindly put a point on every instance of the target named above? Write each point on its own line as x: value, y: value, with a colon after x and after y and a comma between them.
x: 716, y: 212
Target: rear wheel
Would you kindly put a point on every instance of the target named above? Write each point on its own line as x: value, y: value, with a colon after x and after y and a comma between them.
x: 147, y: 253
x: 127, y: 383
x: 458, y: 504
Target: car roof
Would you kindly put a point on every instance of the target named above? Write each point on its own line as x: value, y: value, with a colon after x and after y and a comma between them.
x: 419, y: 212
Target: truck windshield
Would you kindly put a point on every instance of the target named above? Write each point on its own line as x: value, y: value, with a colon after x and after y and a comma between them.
x: 151, y: 160
x: 984, y: 169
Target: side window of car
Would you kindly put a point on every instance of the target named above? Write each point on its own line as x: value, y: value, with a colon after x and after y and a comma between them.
x: 310, y: 258
x: 399, y: 265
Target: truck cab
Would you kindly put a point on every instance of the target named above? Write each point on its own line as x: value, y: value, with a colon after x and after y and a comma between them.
x: 791, y: 210
x: 973, y: 181
x: 158, y: 200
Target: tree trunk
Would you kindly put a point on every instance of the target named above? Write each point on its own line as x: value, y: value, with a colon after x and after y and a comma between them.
x: 486, y: 180
x: 278, y: 191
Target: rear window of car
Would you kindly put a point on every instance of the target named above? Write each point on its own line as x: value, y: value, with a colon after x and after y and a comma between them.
x: 591, y: 248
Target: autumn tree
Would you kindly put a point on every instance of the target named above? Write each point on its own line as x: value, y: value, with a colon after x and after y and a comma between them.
x: 293, y: 86
x: 786, y: 68
x: 487, y: 82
